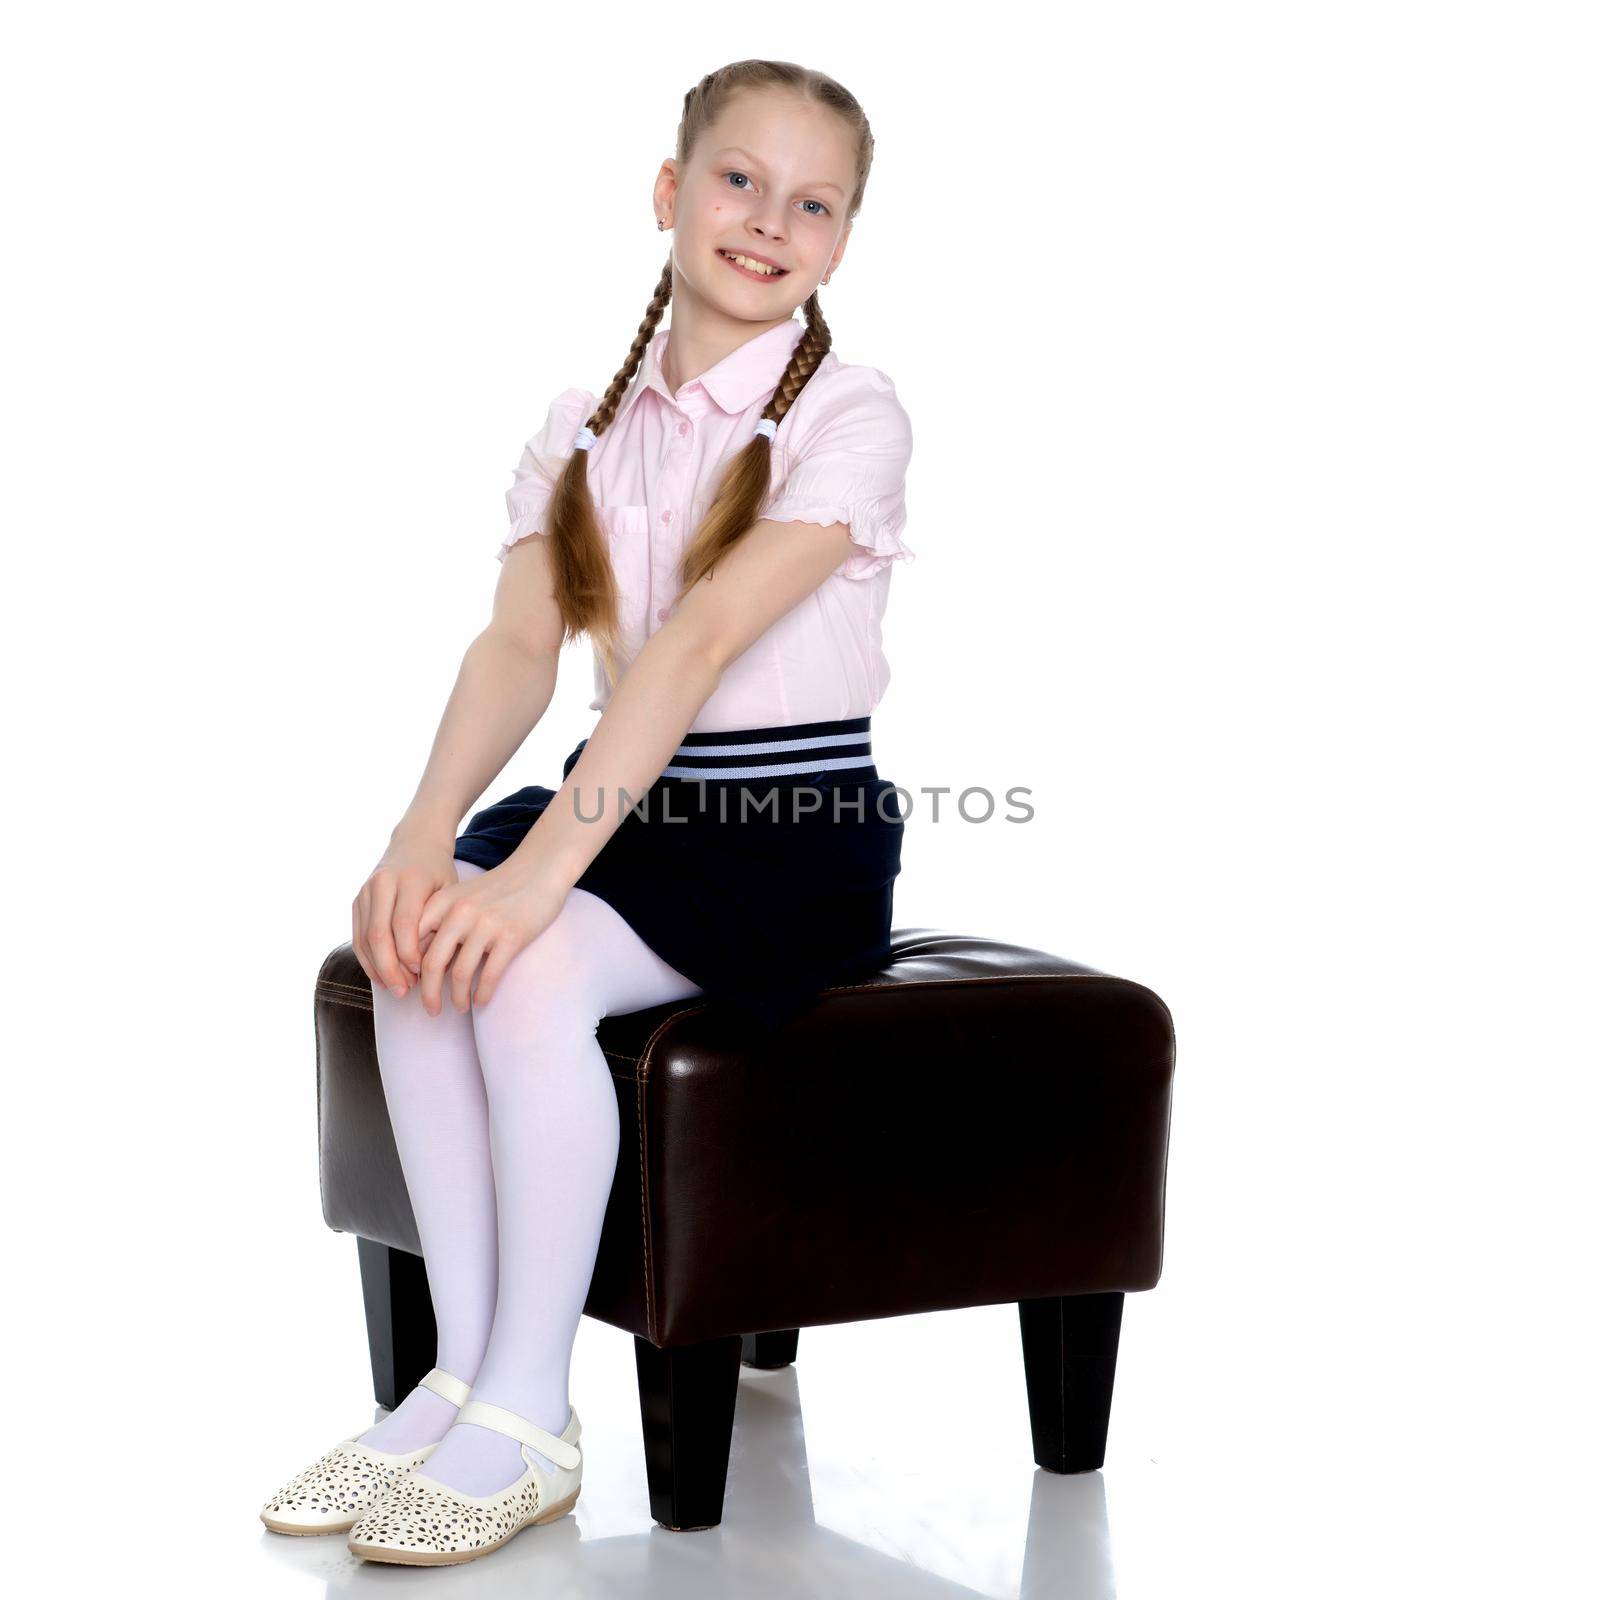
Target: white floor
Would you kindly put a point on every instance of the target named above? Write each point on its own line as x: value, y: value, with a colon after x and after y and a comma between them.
x: 893, y: 1459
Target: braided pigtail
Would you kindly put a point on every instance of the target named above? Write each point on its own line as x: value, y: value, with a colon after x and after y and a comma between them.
x: 585, y: 588
x: 747, y: 481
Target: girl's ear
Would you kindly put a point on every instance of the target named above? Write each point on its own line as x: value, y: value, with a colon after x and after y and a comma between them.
x: 838, y: 251
x: 665, y: 191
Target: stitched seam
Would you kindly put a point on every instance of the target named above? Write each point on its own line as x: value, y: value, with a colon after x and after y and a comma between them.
x: 1166, y: 1147
x: 366, y: 1005
x: 848, y: 988
x: 316, y: 1033
x: 644, y: 1168
x: 318, y: 995
x: 997, y: 977
x: 644, y: 1213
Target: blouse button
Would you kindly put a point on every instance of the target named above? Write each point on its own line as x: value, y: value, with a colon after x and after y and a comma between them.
x: 666, y: 516
x: 662, y: 614
x: 683, y: 428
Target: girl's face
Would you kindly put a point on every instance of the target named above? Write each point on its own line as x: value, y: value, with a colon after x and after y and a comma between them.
x: 769, y: 180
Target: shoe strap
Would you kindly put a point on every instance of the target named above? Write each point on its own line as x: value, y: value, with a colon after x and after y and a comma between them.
x: 515, y: 1427
x: 447, y: 1385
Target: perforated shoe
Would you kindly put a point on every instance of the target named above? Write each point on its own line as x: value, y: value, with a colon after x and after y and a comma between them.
x: 333, y: 1492
x: 421, y: 1522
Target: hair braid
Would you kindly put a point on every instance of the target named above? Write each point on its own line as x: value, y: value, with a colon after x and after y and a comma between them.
x: 748, y: 478
x: 612, y: 398
x: 585, y: 585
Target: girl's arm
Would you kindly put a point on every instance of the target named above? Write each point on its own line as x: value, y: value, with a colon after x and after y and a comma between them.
x: 768, y: 573
x: 507, y: 677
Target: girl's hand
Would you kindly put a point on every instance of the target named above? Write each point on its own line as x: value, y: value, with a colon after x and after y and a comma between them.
x: 489, y: 918
x: 385, y: 913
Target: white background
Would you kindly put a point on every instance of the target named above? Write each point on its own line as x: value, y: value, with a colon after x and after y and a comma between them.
x: 1251, y: 353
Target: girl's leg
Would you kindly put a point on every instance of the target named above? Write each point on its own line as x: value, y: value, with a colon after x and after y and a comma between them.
x: 440, y: 1115
x: 554, y: 1130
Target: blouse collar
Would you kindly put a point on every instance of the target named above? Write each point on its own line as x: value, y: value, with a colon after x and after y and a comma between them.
x: 736, y: 382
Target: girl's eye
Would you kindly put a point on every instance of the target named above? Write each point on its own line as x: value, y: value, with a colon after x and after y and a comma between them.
x: 822, y: 213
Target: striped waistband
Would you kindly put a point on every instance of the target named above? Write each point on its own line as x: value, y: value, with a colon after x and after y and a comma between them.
x: 794, y: 753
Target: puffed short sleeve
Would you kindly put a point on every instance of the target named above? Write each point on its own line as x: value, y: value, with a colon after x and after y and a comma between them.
x: 544, y: 457
x: 850, y: 455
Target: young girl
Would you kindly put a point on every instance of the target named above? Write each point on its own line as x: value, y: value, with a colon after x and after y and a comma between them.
x: 722, y: 522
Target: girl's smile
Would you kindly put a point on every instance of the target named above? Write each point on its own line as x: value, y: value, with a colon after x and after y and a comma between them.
x: 750, y: 255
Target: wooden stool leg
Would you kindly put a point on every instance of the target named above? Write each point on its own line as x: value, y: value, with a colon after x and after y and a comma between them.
x: 401, y: 1334
x: 686, y: 1400
x: 1069, y: 1355
x: 769, y: 1350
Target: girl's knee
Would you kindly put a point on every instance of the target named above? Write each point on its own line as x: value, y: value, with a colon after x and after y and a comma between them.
x: 555, y: 983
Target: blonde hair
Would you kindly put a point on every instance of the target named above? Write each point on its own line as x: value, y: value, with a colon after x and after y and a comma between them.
x: 585, y: 588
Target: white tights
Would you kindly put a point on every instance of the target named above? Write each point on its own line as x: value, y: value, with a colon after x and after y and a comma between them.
x: 505, y: 1118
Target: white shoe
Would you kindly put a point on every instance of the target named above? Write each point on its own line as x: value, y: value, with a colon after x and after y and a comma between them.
x: 331, y: 1494
x: 421, y: 1522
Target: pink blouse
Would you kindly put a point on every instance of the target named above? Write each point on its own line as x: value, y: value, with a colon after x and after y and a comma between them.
x: 840, y: 455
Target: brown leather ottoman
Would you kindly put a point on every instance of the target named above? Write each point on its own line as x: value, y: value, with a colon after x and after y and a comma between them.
x: 980, y: 1123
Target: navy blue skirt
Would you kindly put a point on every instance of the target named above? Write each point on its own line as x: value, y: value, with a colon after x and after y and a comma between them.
x: 761, y: 864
